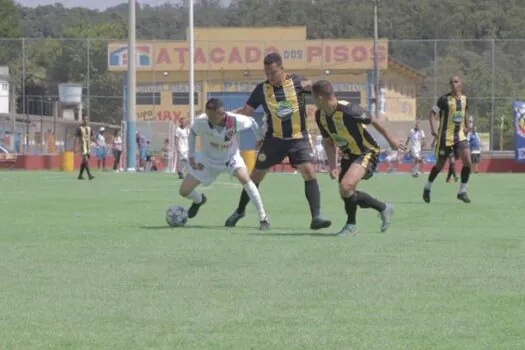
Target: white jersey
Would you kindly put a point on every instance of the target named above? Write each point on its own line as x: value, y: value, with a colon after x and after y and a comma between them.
x: 414, y: 139
x: 182, y: 136
x: 101, y: 141
x: 319, y: 141
x: 219, y: 144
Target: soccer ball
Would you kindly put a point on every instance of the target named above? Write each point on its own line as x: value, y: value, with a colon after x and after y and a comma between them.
x: 176, y: 216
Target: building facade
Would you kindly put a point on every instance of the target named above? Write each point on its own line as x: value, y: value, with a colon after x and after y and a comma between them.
x: 4, y: 89
x: 229, y: 62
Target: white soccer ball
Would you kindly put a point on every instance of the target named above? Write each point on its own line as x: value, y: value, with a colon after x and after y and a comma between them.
x: 176, y: 216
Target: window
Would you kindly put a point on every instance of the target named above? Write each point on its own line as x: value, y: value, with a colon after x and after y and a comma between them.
x: 148, y: 98
x: 5, y: 87
x: 182, y: 98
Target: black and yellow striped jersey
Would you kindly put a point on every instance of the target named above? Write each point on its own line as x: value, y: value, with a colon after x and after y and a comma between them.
x: 284, y: 106
x: 84, y: 134
x: 347, y: 127
x: 452, y: 112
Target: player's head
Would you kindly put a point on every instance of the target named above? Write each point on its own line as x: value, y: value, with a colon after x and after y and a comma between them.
x: 84, y: 121
x: 215, y: 111
x: 117, y: 132
x: 273, y: 68
x: 183, y: 122
x: 417, y: 125
x: 323, y: 93
x: 456, y: 84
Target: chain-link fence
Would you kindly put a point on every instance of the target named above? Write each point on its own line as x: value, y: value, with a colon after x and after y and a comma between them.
x: 417, y: 74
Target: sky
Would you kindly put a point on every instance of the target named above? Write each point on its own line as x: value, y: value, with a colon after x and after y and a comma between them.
x: 94, y: 4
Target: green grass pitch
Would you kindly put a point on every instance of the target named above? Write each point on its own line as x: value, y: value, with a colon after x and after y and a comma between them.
x: 93, y: 265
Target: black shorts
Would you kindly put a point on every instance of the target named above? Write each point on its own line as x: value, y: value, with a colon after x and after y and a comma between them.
x: 451, y: 151
x: 475, y: 157
x: 274, y: 150
x: 368, y: 161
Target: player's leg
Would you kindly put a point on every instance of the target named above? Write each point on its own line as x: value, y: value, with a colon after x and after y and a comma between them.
x: 300, y: 155
x: 463, y: 151
x: 442, y: 154
x: 347, y: 193
x: 475, y: 158
x: 363, y: 168
x: 85, y: 161
x: 188, y: 190
x: 241, y: 173
x: 272, y: 152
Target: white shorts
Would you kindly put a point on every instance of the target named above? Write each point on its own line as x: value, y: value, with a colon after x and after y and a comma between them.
x: 209, y: 174
x: 391, y: 158
x: 415, y: 153
x: 182, y: 155
x: 320, y: 154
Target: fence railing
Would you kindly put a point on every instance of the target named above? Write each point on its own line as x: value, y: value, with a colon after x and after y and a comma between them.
x: 492, y: 71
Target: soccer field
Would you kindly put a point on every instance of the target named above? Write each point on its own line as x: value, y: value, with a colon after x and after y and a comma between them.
x: 93, y: 265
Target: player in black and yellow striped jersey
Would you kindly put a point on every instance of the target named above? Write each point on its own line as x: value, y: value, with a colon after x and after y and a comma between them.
x: 84, y: 136
x: 282, y: 96
x: 343, y: 125
x: 451, y: 139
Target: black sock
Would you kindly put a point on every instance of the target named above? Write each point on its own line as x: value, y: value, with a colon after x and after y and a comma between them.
x: 313, y: 195
x: 243, y: 201
x: 364, y: 200
x: 81, y: 169
x: 351, y: 208
x: 465, y: 174
x: 434, y: 172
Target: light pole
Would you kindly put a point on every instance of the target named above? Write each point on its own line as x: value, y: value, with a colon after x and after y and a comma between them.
x: 376, y: 59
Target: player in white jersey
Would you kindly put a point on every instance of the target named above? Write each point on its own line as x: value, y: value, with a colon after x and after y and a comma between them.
x: 320, y: 155
x: 415, y: 140
x: 219, y: 153
x: 181, y: 137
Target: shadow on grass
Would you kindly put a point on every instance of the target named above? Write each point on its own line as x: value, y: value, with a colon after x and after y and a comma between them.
x: 208, y: 227
x: 292, y: 234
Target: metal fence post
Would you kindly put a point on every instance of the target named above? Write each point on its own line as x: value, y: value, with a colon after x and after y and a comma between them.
x: 493, y: 95
x: 88, y: 83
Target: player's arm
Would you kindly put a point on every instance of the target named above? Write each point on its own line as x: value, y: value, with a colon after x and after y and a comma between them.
x: 255, y: 100
x: 364, y: 117
x: 331, y: 152
x: 465, y: 117
x: 329, y: 146
x: 191, y: 147
x: 78, y: 134
x: 434, y: 113
x: 245, y: 123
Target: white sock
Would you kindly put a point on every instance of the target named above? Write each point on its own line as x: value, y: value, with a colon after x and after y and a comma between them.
x: 428, y: 185
x: 255, y: 198
x: 195, y: 196
x: 463, y: 188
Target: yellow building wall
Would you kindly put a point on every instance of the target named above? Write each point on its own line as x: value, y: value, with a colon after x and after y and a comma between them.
x: 400, y: 96
x: 231, y: 81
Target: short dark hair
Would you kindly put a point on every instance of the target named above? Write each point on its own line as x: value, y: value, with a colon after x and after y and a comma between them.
x: 214, y: 104
x: 323, y: 88
x: 273, y: 57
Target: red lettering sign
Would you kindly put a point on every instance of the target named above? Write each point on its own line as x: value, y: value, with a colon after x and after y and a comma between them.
x: 340, y: 53
x: 163, y: 56
x: 217, y: 55
x: 174, y: 115
x: 200, y: 57
x: 235, y: 56
x: 252, y: 54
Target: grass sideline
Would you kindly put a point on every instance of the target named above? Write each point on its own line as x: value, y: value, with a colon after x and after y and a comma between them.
x: 92, y: 265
